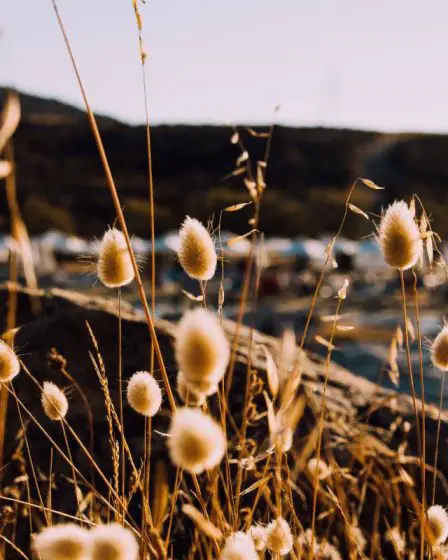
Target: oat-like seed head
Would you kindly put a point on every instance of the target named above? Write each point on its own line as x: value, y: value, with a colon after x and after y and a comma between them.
x: 62, y: 542
x: 54, y: 402
x: 144, y: 394
x: 201, y: 348
x: 197, y: 253
x: 282, y: 439
x: 279, y: 537
x: 113, y: 542
x: 114, y: 266
x: 239, y: 546
x: 197, y: 442
x: 439, y: 350
x: 436, y: 525
x: 9, y: 363
x: 399, y: 237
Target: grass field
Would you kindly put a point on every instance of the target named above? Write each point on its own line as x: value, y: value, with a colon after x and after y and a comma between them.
x: 221, y: 443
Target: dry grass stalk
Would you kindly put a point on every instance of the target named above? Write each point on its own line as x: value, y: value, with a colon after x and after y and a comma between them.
x: 204, y: 525
x: 198, y: 443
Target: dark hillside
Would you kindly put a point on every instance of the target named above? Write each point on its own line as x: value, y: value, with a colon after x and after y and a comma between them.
x: 61, y: 183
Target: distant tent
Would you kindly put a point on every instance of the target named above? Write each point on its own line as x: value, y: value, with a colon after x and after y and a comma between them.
x: 313, y: 250
x: 278, y: 247
x: 62, y: 243
x: 167, y: 244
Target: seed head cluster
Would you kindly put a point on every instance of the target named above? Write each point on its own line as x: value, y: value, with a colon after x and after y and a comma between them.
x: 72, y: 542
x: 196, y: 441
x: 54, y: 401
x: 9, y: 363
x: 197, y: 253
x: 279, y: 537
x: 113, y: 542
x: 63, y: 542
x: 114, y: 267
x: 239, y: 546
x: 399, y: 237
x: 144, y: 394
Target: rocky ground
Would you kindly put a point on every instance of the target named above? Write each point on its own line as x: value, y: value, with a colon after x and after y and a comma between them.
x: 53, y: 339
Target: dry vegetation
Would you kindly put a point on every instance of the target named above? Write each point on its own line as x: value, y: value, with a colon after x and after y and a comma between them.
x: 253, y: 473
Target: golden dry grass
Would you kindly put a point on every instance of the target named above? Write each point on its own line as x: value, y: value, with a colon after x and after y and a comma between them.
x: 237, y: 476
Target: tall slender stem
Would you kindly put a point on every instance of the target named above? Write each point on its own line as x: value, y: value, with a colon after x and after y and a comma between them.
x: 120, y: 402
x: 436, y: 454
x: 72, y: 465
x: 321, y: 426
x: 119, y: 212
x: 421, y: 513
x: 422, y: 398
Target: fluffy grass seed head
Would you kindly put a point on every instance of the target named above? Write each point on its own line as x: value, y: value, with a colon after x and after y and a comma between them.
x: 439, y: 350
x: 328, y: 551
x: 114, y: 267
x: 304, y: 541
x: 357, y: 537
x: 279, y: 537
x: 9, y: 363
x: 63, y: 542
x: 399, y: 236
x: 201, y: 347
x: 323, y: 470
x: 259, y: 535
x: 239, y: 546
x: 54, y: 402
x: 144, y: 394
x: 197, y: 442
x: 197, y: 253
x: 113, y: 542
x: 397, y: 538
x: 187, y: 393
x: 436, y: 525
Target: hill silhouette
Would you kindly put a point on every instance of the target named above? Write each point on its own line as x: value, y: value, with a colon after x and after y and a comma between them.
x: 61, y: 183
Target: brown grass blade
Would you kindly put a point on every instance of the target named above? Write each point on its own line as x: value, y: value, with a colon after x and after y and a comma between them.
x: 10, y: 119
x: 204, y: 525
x: 160, y: 494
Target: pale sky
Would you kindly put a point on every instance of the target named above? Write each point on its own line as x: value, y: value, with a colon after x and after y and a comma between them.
x: 378, y: 64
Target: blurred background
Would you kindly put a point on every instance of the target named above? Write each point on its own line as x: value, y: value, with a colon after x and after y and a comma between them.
x: 354, y: 89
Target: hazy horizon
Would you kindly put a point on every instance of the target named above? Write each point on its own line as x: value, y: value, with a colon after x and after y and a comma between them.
x: 345, y: 65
